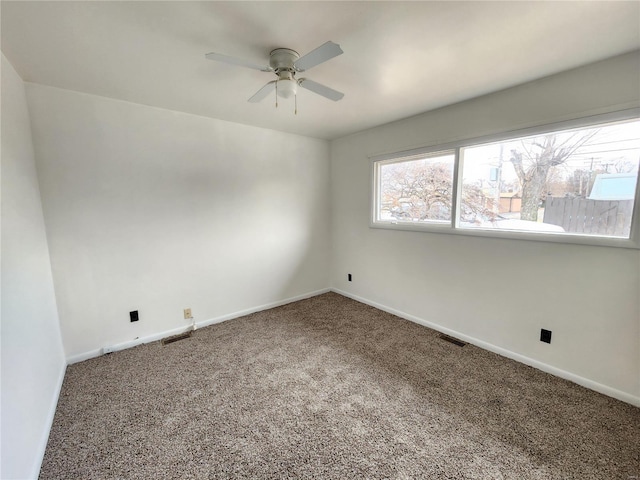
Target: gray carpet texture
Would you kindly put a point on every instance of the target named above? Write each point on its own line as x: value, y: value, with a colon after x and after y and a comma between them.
x: 328, y: 387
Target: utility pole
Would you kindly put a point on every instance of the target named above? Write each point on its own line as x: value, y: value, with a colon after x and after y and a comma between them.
x: 590, y: 179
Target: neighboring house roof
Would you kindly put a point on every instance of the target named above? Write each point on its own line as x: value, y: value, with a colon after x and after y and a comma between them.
x: 490, y: 192
x: 614, y: 186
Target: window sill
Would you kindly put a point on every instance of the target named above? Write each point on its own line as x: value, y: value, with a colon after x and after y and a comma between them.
x: 590, y: 240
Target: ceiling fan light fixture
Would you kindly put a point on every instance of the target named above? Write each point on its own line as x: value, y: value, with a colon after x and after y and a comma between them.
x: 286, y: 88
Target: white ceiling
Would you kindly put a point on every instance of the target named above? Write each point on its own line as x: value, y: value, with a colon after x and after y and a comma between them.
x: 400, y: 58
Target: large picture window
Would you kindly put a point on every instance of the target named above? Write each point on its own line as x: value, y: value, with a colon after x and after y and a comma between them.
x: 561, y: 183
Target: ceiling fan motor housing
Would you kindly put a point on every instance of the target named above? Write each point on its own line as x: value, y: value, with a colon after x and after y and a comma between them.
x: 283, y: 59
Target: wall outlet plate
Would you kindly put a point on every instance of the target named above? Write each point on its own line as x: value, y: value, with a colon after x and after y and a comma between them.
x: 133, y: 316
x: 187, y: 313
x: 545, y: 335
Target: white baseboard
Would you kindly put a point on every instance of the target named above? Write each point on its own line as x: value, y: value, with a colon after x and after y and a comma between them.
x: 81, y: 357
x: 585, y: 382
x: 260, y: 308
x: 204, y: 323
x: 48, y: 424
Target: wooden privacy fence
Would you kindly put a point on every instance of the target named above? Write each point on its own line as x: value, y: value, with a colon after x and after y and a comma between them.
x: 596, y: 217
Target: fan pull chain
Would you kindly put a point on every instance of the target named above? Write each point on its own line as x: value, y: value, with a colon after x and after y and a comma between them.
x: 276, y: 93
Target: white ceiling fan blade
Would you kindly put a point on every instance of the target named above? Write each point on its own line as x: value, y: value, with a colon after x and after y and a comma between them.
x: 320, y: 89
x: 218, y: 57
x: 263, y: 92
x: 321, y: 54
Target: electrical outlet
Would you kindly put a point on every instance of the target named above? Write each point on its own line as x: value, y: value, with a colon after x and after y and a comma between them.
x: 133, y: 316
x: 545, y: 336
x: 349, y: 276
x: 187, y: 313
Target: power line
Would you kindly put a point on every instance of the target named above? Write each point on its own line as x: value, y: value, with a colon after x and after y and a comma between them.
x: 607, y: 151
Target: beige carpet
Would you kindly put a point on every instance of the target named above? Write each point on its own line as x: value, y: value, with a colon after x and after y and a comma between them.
x: 331, y: 388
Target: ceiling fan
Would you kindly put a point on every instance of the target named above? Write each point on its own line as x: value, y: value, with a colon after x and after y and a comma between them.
x: 285, y: 63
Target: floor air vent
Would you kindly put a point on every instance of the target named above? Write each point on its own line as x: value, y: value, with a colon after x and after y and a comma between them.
x: 449, y: 339
x: 175, y: 338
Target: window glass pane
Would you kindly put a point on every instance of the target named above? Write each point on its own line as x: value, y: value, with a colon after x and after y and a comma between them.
x: 576, y: 182
x: 416, y: 190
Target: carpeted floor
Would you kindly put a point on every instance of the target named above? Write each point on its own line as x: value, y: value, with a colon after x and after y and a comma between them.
x: 331, y: 388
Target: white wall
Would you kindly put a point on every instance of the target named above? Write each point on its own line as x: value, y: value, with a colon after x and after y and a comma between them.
x: 495, y: 291
x: 154, y: 210
x: 33, y: 362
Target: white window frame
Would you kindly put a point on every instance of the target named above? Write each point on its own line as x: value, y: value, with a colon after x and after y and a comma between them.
x: 452, y: 228
x: 422, y: 155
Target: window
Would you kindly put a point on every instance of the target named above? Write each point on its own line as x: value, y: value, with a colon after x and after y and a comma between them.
x: 417, y: 189
x: 559, y: 184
